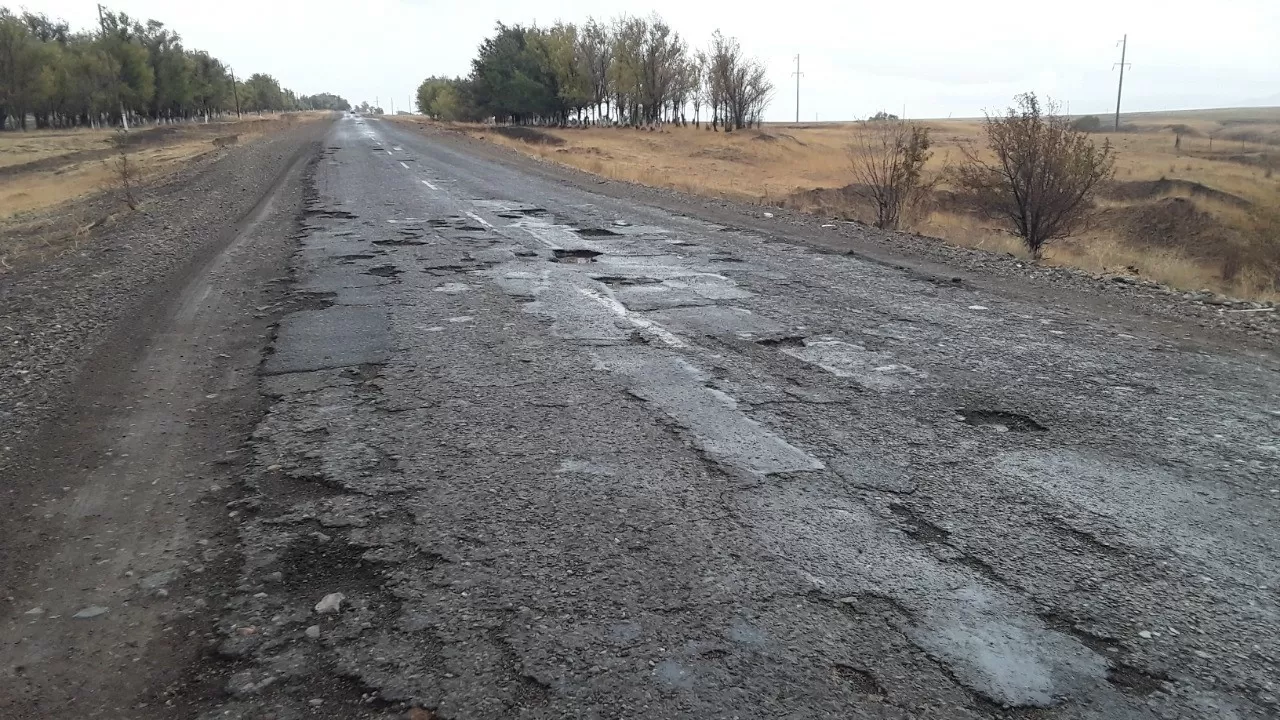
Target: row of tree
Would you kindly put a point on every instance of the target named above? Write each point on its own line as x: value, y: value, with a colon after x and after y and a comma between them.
x: 631, y: 70
x: 128, y: 70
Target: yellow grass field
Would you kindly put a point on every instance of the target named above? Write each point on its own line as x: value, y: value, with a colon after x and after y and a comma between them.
x: 1201, y: 215
x: 46, y: 177
x: 41, y: 169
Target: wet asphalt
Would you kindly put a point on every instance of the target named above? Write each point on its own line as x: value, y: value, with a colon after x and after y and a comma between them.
x: 570, y: 456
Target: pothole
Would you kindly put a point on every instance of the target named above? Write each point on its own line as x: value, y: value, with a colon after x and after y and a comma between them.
x: 861, y: 680
x: 784, y: 341
x: 623, y: 281
x: 399, y: 241
x: 575, y: 257
x: 1136, y: 681
x: 337, y: 214
x: 725, y: 259
x: 355, y: 256
x: 521, y: 212
x: 1001, y: 421
x: 597, y: 232
x: 384, y: 271
x: 918, y: 528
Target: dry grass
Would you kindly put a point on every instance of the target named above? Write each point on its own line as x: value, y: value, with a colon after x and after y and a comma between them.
x: 40, y: 217
x: 67, y: 165
x: 781, y: 163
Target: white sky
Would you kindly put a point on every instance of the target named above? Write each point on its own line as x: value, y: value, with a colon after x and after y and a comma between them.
x: 938, y: 58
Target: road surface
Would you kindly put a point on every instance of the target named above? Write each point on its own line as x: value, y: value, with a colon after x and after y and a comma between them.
x: 566, y: 455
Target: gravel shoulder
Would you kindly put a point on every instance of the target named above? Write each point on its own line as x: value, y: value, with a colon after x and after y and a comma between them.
x: 126, y: 391
x: 1200, y: 319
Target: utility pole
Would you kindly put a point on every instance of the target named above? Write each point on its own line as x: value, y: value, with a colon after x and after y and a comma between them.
x: 797, y: 73
x: 393, y: 106
x: 1124, y: 48
x: 235, y: 90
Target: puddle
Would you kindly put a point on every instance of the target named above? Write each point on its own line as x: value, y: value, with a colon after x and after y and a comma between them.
x: 575, y: 257
x: 1001, y: 421
x: 597, y: 232
x: 384, y: 271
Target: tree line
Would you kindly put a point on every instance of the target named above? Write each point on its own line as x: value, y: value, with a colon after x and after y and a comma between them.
x: 628, y: 71
x: 126, y: 71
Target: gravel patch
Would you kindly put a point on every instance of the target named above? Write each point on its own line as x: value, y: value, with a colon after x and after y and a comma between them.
x: 54, y: 317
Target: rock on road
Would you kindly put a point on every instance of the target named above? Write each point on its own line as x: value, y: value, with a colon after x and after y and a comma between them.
x: 534, y: 451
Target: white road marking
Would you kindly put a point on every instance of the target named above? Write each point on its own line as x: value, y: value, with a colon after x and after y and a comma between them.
x: 406, y: 167
x: 433, y: 187
x: 621, y: 311
x: 479, y: 219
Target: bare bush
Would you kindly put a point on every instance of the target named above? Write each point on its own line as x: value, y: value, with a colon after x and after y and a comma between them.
x: 888, y: 159
x: 124, y: 171
x: 1044, y: 174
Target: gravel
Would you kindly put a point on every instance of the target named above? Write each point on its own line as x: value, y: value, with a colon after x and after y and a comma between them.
x: 56, y: 316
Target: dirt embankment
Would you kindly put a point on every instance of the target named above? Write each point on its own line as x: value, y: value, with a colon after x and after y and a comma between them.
x: 55, y: 311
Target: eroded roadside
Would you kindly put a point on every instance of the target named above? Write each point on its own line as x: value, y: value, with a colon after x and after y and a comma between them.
x: 128, y: 388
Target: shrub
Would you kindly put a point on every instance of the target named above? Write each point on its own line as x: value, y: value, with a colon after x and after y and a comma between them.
x: 888, y: 160
x: 1044, y: 175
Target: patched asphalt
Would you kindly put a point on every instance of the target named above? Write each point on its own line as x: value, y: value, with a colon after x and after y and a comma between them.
x: 571, y: 456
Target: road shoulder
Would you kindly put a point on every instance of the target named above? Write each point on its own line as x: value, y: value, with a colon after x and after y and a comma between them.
x: 132, y: 392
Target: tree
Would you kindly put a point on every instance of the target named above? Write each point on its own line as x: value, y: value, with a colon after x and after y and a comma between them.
x: 1044, y: 175
x: 888, y: 159
x: 739, y: 87
x: 124, y: 70
x: 634, y: 70
x: 595, y: 55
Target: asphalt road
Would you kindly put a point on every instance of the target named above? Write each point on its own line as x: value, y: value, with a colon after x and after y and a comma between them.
x: 572, y: 456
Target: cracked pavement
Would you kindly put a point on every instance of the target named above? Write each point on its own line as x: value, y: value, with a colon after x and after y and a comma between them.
x: 570, y: 456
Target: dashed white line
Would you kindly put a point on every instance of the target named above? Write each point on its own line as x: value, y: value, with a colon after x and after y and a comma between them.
x: 479, y: 219
x: 406, y: 167
x: 433, y: 187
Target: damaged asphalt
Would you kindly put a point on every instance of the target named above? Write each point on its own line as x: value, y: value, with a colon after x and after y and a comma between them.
x: 569, y: 456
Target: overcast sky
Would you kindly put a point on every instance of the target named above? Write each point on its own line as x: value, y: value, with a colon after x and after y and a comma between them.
x: 938, y: 58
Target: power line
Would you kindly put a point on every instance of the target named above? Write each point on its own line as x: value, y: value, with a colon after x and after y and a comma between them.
x: 1124, y: 48
x: 797, y: 73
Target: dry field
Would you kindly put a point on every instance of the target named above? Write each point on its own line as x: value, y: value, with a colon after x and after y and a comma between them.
x: 49, y: 177
x: 1202, y: 215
